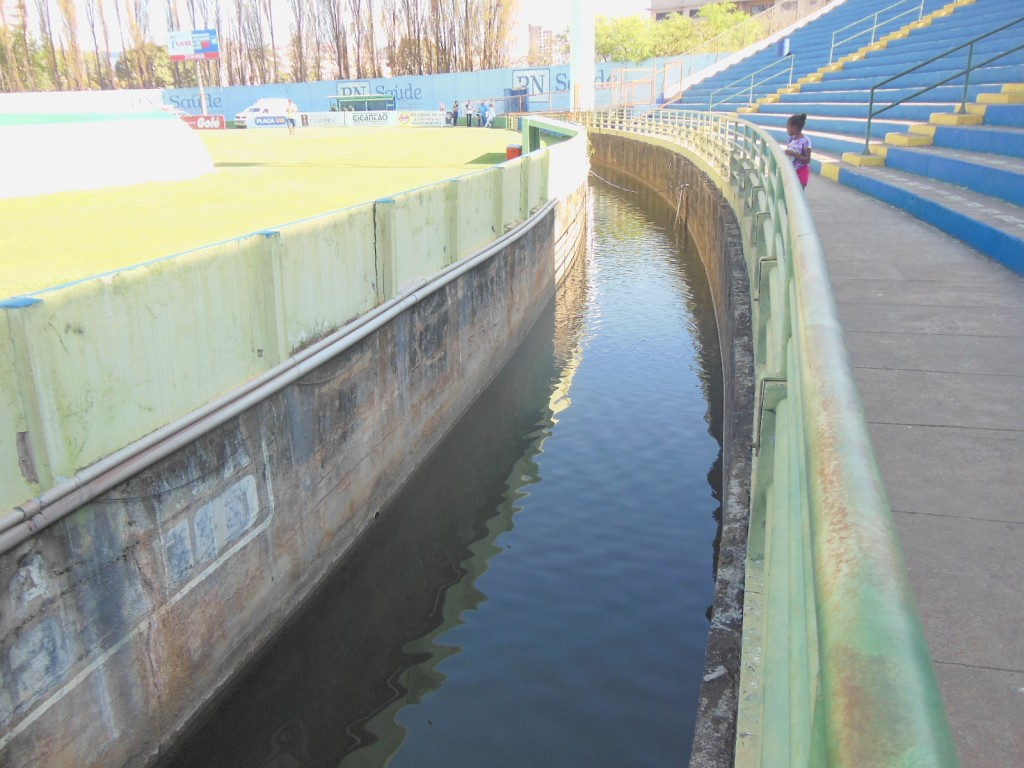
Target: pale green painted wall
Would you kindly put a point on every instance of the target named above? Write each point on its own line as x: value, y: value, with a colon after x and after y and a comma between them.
x: 97, y: 365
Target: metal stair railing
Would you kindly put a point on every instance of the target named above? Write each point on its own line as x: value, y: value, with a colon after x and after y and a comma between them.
x: 782, y: 71
x: 965, y: 73
x: 873, y: 29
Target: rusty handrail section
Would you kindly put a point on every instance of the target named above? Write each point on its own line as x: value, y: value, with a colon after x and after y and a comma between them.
x: 835, y: 669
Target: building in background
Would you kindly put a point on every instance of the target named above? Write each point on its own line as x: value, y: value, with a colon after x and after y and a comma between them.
x: 662, y: 8
x: 541, y: 43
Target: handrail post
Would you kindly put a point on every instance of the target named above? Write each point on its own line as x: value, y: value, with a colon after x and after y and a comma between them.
x: 967, y: 79
x: 871, y: 109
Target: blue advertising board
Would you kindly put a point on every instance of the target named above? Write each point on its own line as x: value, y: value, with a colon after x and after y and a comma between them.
x: 513, y: 89
x: 269, y: 121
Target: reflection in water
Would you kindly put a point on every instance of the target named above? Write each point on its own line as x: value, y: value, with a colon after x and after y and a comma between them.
x: 582, y: 644
x: 556, y: 368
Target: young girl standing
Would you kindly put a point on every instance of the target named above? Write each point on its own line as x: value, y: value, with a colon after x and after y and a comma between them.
x: 799, y: 148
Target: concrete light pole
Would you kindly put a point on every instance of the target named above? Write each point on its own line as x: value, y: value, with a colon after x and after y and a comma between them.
x: 581, y: 56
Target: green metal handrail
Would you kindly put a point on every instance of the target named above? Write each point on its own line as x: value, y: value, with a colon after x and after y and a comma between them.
x: 835, y: 667
x: 873, y: 29
x: 782, y: 70
x: 965, y: 73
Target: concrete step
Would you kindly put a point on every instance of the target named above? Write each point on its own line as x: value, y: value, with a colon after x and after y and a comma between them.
x: 937, y: 36
x: 995, y: 176
x: 882, y: 69
x: 822, y: 141
x: 846, y: 81
x: 914, y: 112
x: 845, y: 126
x: 990, y: 225
x: 950, y: 93
x: 993, y: 139
x: 1004, y: 114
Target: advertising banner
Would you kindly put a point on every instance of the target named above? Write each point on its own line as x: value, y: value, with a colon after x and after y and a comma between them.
x: 372, y: 119
x: 268, y: 121
x: 421, y: 119
x: 404, y: 119
x: 196, y: 44
x: 205, y: 122
x: 318, y: 119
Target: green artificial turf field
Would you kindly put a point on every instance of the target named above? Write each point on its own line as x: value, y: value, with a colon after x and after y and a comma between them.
x: 263, y: 178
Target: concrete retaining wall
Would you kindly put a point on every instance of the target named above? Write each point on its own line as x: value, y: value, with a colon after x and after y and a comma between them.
x: 99, y: 364
x: 121, y: 619
x: 662, y: 166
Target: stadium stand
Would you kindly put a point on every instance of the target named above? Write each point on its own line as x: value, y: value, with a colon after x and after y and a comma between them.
x: 933, y: 155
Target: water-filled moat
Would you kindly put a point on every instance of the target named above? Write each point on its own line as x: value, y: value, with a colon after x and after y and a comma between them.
x: 537, y: 595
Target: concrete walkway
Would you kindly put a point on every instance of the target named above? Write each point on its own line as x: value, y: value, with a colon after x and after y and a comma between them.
x: 936, y: 337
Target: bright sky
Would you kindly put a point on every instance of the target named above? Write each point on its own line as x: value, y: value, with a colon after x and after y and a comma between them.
x: 549, y: 14
x: 556, y: 14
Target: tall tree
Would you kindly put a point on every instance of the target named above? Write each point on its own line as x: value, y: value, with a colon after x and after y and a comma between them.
x: 373, y: 60
x: 497, y: 19
x: 25, y: 49
x: 392, y: 34
x: 299, y: 29
x: 72, y: 52
x: 335, y: 28
x: 267, y: 6
x: 46, y: 32
x: 174, y: 24
x: 359, y: 10
x: 10, y: 63
x: 442, y: 34
x: 138, y: 31
x: 95, y: 18
x: 120, y: 33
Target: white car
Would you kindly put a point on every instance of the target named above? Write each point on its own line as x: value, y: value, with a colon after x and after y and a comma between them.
x: 276, y: 107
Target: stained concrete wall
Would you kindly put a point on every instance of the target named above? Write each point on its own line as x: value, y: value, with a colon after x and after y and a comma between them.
x: 121, y: 619
x: 663, y: 167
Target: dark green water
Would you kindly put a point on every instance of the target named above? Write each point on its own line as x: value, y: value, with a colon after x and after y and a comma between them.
x: 537, y: 595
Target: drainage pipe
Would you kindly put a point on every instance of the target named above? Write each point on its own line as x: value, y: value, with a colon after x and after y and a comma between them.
x: 22, y: 522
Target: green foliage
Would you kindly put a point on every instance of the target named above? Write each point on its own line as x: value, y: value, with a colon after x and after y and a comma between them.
x: 727, y: 28
x: 148, y: 66
x: 630, y: 38
x: 719, y: 26
x: 676, y: 34
x: 411, y: 56
x: 21, y: 70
